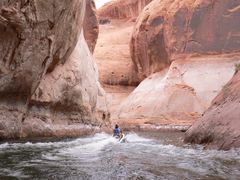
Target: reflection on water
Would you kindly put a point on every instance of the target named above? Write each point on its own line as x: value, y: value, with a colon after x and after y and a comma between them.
x: 157, y: 156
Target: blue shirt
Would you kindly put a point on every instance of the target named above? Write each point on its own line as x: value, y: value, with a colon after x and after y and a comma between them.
x: 116, y: 132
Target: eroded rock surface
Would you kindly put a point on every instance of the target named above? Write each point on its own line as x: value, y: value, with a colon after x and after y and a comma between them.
x: 122, y: 9
x: 113, y: 56
x: 181, y: 93
x: 116, y: 20
x: 220, y: 125
x: 166, y: 29
x: 36, y: 40
x: 191, y: 58
x: 71, y: 94
x: 90, y: 26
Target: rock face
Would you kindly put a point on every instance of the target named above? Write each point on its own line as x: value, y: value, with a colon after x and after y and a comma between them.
x: 90, y: 26
x: 71, y: 94
x: 113, y: 56
x: 220, y: 125
x: 182, y: 92
x: 166, y: 29
x: 191, y: 58
x: 116, y: 20
x: 122, y: 9
x: 36, y: 40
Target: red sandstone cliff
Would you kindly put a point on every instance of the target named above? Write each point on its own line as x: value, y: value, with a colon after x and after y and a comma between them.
x: 90, y: 26
x: 122, y: 9
x: 48, y: 78
x: 112, y: 49
x: 166, y: 29
x: 220, y: 125
x: 191, y: 47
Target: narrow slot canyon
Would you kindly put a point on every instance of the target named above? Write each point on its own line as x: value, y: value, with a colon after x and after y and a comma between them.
x: 154, y: 74
x: 120, y: 89
x: 114, y: 62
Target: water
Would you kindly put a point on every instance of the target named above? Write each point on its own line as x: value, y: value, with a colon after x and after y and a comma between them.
x: 144, y: 156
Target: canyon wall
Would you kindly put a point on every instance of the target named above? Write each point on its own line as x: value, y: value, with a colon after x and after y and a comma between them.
x: 116, y: 20
x: 113, y: 56
x: 185, y: 52
x: 90, y: 26
x: 166, y: 29
x: 122, y: 9
x: 219, y: 127
x: 45, y: 91
x: 180, y: 93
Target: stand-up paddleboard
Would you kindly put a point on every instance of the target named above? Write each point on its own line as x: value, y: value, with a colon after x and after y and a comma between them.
x: 122, y: 139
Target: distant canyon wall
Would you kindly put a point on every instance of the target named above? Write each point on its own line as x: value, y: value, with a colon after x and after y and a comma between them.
x: 90, y: 26
x: 184, y: 52
x: 181, y: 92
x: 166, y: 29
x: 116, y: 19
x: 122, y: 9
x: 48, y: 78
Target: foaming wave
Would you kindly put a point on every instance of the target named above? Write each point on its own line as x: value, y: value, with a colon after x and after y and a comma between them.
x: 31, y: 145
x: 134, y: 138
x: 14, y: 173
x: 3, y: 146
x: 52, y: 143
x: 88, y: 146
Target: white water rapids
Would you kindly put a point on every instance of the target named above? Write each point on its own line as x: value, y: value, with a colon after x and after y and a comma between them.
x: 102, y: 157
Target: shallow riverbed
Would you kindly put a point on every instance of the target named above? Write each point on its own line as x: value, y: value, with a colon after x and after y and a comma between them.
x: 142, y: 156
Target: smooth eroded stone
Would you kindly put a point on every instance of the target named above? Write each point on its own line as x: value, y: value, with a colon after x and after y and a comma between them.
x: 219, y: 127
x: 166, y: 29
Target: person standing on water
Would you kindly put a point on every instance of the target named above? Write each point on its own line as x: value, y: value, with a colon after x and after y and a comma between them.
x: 116, y: 131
